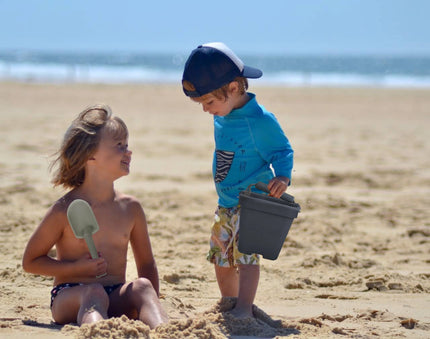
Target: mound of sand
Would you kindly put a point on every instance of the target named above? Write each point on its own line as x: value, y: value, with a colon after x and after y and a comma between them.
x: 216, y: 323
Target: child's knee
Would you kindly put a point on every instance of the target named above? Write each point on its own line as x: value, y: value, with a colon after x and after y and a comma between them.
x: 249, y: 269
x: 142, y: 285
x: 95, y: 293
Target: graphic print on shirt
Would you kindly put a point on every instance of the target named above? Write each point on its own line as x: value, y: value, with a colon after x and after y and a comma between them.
x: 224, y: 159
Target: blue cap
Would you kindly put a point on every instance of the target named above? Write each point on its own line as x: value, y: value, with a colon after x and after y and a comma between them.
x: 213, y: 65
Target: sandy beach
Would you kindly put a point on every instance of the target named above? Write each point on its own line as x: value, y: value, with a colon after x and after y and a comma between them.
x: 355, y: 264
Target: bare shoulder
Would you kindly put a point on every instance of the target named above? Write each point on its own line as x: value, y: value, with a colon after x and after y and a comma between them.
x: 59, y: 208
x: 55, y: 220
x: 129, y: 203
x: 126, y: 199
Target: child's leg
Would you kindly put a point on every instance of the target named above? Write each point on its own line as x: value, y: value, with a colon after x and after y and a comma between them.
x: 249, y: 276
x: 80, y: 304
x: 228, y: 280
x: 224, y: 251
x: 138, y: 300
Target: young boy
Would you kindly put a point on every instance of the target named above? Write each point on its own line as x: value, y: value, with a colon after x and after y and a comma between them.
x: 248, y: 142
x: 95, y: 153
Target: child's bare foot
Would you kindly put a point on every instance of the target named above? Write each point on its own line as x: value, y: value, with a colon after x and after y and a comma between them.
x: 241, y: 313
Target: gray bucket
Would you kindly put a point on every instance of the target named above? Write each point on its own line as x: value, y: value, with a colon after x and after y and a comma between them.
x: 265, y: 222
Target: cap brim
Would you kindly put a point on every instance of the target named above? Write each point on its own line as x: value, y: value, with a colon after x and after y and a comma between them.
x: 251, y: 72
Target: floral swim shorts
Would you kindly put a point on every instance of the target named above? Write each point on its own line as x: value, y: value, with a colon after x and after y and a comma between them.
x: 224, y: 240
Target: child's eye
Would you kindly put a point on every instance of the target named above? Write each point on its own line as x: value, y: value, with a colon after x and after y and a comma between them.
x: 208, y: 103
x: 122, y: 146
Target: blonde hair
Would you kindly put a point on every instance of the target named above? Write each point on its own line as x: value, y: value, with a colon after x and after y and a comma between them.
x: 81, y: 141
x: 222, y: 92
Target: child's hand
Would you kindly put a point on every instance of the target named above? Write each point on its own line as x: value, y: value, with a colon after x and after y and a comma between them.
x: 278, y: 186
x: 92, y: 267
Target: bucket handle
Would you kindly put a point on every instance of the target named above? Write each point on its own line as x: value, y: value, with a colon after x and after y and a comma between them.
x: 263, y: 187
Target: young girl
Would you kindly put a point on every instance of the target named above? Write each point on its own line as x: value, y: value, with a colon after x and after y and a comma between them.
x: 93, y: 155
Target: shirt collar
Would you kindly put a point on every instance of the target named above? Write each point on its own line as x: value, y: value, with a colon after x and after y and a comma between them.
x: 245, y: 109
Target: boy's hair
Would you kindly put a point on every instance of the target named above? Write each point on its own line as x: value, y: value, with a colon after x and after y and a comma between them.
x: 81, y: 141
x: 222, y: 92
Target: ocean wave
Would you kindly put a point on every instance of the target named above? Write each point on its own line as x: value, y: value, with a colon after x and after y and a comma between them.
x: 287, y: 71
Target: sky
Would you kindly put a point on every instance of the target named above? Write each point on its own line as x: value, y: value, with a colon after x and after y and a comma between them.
x: 296, y: 27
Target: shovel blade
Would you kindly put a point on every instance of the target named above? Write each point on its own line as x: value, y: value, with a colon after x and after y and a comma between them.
x: 84, y: 224
x: 81, y: 218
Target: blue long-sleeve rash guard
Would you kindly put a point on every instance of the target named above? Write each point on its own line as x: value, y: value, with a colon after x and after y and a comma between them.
x: 248, y: 141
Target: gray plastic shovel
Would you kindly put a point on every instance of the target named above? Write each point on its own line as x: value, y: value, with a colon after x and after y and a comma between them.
x: 84, y: 224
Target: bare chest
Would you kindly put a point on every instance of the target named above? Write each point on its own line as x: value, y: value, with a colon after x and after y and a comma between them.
x: 113, y: 236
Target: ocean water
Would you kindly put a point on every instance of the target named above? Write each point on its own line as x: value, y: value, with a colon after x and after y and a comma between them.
x: 311, y: 71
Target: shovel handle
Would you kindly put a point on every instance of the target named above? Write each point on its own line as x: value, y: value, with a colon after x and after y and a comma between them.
x: 263, y: 187
x: 92, y: 247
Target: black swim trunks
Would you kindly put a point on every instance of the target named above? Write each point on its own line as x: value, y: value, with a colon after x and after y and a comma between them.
x: 54, y: 292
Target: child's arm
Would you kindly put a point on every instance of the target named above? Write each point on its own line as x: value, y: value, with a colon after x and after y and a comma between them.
x: 48, y: 233
x: 141, y: 245
x: 276, y: 149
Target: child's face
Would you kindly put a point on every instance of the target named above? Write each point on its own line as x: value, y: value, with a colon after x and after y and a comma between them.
x: 113, y: 155
x: 223, y: 106
x: 216, y: 106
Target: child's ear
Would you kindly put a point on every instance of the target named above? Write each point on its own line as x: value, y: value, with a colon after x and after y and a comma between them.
x: 233, y: 87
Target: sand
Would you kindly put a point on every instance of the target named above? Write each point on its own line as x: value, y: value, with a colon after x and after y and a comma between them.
x: 356, y: 262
